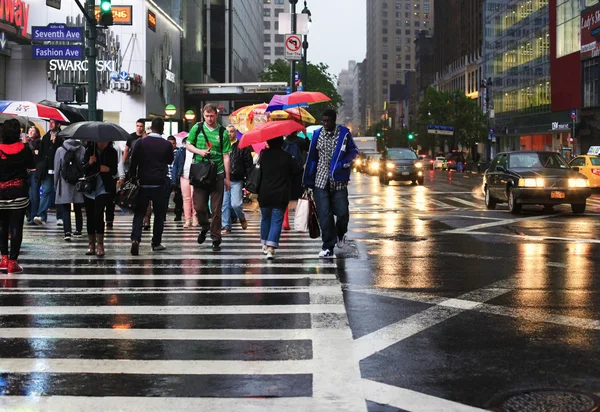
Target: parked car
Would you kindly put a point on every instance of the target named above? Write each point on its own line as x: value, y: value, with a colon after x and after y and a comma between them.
x: 589, y: 166
x: 439, y: 163
x: 534, y: 178
x: 400, y: 164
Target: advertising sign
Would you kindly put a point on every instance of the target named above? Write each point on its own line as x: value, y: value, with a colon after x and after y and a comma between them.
x: 151, y: 21
x: 57, y: 32
x: 121, y: 15
x: 590, y: 31
x: 15, y: 12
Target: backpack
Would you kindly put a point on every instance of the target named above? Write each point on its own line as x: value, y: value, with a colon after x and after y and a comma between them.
x: 294, y: 150
x: 71, y: 168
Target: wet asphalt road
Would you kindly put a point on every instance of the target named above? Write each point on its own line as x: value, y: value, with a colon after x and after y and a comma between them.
x: 435, y: 304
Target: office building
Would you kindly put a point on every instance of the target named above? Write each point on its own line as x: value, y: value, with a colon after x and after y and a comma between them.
x: 424, y: 63
x: 392, y: 26
x: 346, y: 86
x: 273, y: 41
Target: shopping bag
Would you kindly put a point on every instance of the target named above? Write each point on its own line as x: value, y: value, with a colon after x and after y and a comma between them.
x: 302, y: 215
x: 314, y: 231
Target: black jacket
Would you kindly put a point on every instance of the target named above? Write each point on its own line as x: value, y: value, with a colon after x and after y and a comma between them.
x: 47, y: 154
x: 108, y: 157
x: 150, y: 160
x: 15, y: 159
x: 241, y: 163
x: 277, y: 168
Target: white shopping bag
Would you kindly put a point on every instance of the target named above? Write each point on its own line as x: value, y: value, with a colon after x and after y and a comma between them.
x: 301, y: 217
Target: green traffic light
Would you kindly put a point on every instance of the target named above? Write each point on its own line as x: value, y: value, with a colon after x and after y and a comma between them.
x: 378, y: 134
x: 411, y: 136
x: 105, y: 5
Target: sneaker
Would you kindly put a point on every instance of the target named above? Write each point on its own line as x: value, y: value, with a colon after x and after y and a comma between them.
x: 135, y: 248
x: 59, y: 222
x: 341, y: 243
x: 244, y: 224
x: 265, y: 249
x: 67, y: 237
x: 187, y: 224
x: 77, y: 233
x: 39, y: 221
x: 226, y: 230
x: 327, y: 254
x: 13, y: 267
x: 216, y: 246
x: 202, y: 236
x: 270, y: 254
x: 158, y: 248
x: 195, y: 222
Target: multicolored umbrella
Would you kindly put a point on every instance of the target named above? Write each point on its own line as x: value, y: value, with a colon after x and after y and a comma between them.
x: 30, y: 109
x: 310, y: 130
x: 296, y: 99
x: 268, y: 131
x: 296, y: 113
x: 247, y: 117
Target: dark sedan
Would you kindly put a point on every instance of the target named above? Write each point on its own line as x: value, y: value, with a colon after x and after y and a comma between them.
x: 534, y: 178
x: 400, y: 164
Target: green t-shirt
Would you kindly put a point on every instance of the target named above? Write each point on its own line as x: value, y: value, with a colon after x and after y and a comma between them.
x: 218, y: 149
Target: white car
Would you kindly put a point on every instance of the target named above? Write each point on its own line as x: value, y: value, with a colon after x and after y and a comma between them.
x: 439, y: 163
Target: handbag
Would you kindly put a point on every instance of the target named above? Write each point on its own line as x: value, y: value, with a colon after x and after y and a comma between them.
x: 253, y: 181
x: 203, y: 175
x: 302, y: 214
x: 314, y: 230
x: 127, y: 195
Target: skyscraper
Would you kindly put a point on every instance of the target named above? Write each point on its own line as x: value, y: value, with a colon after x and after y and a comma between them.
x: 273, y: 41
x: 392, y: 26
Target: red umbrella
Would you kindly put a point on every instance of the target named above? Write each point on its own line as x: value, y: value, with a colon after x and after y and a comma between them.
x: 268, y: 131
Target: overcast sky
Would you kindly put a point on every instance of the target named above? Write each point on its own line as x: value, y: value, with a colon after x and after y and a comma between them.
x: 338, y: 32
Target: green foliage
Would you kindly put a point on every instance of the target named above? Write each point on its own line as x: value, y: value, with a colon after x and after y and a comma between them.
x: 319, y: 80
x: 457, y: 110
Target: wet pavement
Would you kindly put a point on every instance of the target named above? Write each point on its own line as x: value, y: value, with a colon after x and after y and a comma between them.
x: 435, y: 304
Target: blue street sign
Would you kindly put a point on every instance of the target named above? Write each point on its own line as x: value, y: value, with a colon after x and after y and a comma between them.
x: 573, y: 114
x: 300, y: 88
x: 57, y: 52
x: 57, y: 32
x: 2, y: 40
x: 297, y: 77
x: 123, y: 76
x: 288, y: 90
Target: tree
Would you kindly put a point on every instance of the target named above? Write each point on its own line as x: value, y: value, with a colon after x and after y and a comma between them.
x: 319, y: 80
x: 457, y: 110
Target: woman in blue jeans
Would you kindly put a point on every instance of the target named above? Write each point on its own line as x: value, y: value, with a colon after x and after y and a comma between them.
x: 277, y: 168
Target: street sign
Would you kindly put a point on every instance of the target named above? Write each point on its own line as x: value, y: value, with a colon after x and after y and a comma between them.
x: 2, y: 40
x: 293, y: 47
x: 573, y: 114
x: 101, y: 38
x: 57, y: 32
x: 443, y: 130
x: 57, y: 52
x: 53, y: 3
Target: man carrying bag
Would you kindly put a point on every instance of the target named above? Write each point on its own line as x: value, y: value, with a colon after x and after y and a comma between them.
x: 210, y: 144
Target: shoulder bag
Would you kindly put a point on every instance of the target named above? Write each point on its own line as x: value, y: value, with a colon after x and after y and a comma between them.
x: 253, y: 181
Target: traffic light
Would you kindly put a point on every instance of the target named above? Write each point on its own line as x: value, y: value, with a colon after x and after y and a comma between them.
x: 106, y: 17
x: 378, y: 134
x: 411, y: 136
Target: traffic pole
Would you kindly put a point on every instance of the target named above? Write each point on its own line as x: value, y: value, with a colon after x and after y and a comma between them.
x: 91, y: 59
x: 293, y: 62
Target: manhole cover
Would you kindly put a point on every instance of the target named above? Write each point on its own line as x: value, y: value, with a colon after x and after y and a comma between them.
x: 548, y: 401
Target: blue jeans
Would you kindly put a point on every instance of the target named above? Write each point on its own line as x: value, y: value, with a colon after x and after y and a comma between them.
x: 270, y: 225
x: 47, y: 185
x: 34, y: 197
x: 330, y: 204
x: 233, y: 201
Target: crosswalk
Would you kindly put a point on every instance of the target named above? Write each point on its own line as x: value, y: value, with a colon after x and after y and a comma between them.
x: 184, y: 329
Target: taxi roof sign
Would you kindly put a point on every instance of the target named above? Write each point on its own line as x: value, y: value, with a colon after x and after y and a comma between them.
x: 594, y: 150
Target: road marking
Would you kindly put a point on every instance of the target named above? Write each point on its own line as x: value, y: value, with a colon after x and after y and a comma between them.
x: 407, y: 399
x: 494, y: 224
x: 466, y: 202
x: 469, y: 256
x: 533, y: 238
x: 556, y: 265
x: 127, y: 290
x: 184, y: 266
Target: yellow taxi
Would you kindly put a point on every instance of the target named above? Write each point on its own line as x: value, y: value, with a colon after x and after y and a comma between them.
x: 589, y: 166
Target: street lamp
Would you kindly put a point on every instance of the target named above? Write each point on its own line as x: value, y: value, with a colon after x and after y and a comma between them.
x: 170, y: 111
x: 305, y: 47
x: 190, y: 116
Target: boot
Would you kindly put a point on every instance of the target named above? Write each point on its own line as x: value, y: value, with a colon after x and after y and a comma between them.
x: 100, y: 246
x: 13, y: 267
x: 4, y: 263
x: 91, y: 245
x: 286, y: 220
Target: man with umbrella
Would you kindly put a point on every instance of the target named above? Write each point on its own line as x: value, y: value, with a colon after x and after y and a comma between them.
x: 51, y: 142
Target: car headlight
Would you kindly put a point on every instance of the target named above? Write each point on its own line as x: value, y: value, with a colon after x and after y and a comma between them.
x: 390, y: 165
x: 579, y: 183
x: 532, y: 182
x: 357, y: 162
x: 418, y: 165
x: 375, y: 165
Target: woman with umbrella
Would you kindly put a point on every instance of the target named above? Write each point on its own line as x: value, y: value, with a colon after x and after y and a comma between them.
x: 15, y: 159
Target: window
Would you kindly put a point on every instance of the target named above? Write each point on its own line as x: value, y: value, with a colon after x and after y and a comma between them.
x: 385, y: 40
x: 278, y: 12
x: 267, y: 51
x: 279, y: 38
x: 385, y: 74
x: 384, y: 56
x: 398, y: 65
x: 279, y: 51
x: 267, y: 38
x: 384, y: 22
x: 266, y: 63
x: 267, y: 1
x: 407, y: 57
x: 267, y: 25
x: 417, y: 14
x: 407, y: 6
x: 426, y: 15
x: 384, y: 31
x: 580, y: 161
x: 407, y: 66
x: 417, y: 6
x: 407, y: 15
x: 398, y: 49
x: 591, y: 83
x: 384, y: 65
x: 398, y: 31
x: 267, y: 12
x: 426, y: 7
x: 407, y: 32
x: 276, y: 25
x: 417, y: 23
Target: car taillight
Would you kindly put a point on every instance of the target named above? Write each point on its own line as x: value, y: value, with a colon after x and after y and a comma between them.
x: 450, y: 161
x: 596, y: 172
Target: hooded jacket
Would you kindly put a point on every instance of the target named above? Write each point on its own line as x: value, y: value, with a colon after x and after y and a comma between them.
x: 15, y: 159
x: 65, y: 191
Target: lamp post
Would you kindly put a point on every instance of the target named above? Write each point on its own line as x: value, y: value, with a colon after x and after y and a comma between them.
x: 293, y: 62
x: 305, y: 48
x: 170, y: 111
x: 189, y: 116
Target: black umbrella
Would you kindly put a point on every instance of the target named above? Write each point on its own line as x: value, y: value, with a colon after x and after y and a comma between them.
x: 94, y: 132
x: 72, y: 113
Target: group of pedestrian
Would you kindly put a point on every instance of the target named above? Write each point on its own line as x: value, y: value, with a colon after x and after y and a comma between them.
x: 81, y: 175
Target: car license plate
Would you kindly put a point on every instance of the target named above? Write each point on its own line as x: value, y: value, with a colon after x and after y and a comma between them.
x: 557, y: 195
x: 405, y: 173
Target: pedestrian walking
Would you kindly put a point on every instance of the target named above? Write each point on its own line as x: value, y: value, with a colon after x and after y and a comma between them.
x: 149, y: 165
x: 34, y: 141
x: 100, y: 167
x: 181, y: 175
x: 45, y: 173
x: 139, y: 133
x: 241, y: 165
x: 174, y: 187
x: 119, y: 179
x: 15, y: 159
x: 68, y: 164
x: 327, y: 171
x: 277, y: 168
x: 297, y: 148
x: 208, y: 140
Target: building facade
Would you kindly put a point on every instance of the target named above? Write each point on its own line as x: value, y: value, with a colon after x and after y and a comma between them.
x: 345, y: 88
x: 392, y: 26
x: 424, y: 63
x: 273, y: 41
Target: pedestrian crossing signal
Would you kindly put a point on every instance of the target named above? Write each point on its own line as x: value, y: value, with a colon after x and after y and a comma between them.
x: 106, y: 17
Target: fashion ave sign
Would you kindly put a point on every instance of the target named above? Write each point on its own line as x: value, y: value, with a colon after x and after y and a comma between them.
x: 15, y: 12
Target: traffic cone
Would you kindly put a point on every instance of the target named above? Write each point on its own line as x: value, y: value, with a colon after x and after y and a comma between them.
x: 286, y: 220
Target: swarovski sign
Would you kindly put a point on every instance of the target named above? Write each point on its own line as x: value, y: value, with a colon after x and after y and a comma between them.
x: 63, y: 65
x: 560, y: 126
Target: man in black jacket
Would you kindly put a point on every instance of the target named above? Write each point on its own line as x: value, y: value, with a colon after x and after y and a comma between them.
x: 241, y: 166
x: 45, y: 173
x: 150, y: 162
x: 34, y: 141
